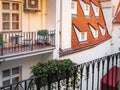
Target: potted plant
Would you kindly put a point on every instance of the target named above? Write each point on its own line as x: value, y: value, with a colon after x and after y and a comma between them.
x: 42, y: 36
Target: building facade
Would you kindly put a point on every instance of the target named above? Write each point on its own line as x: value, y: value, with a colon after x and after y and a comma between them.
x: 81, y: 30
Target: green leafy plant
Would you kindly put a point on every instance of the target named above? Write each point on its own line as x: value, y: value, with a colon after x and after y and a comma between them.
x: 42, y: 32
x: 55, y: 70
x: 1, y: 39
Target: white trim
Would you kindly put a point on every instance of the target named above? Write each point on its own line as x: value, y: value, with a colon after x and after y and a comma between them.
x: 102, y: 30
x: 85, y: 8
x: 80, y: 36
x: 94, y: 32
x: 74, y: 7
x: 96, y: 9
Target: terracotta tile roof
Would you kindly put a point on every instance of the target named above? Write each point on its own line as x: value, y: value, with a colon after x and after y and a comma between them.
x: 118, y: 9
x: 96, y: 2
x: 117, y: 18
x: 104, y: 0
x: 86, y: 1
x: 117, y: 15
x: 81, y: 22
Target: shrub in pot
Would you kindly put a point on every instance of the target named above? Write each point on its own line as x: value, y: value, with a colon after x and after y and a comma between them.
x: 42, y: 36
x: 54, y: 70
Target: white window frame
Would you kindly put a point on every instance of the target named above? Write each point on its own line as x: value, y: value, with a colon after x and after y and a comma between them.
x: 96, y: 9
x: 94, y: 32
x: 102, y: 30
x: 82, y: 36
x: 12, y: 75
x: 10, y: 11
x: 74, y: 7
x: 85, y: 8
x: 79, y: 35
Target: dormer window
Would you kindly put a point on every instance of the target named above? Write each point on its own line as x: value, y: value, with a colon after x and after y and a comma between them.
x: 74, y: 7
x: 102, y: 30
x: 94, y: 31
x: 81, y: 36
x: 95, y: 9
x: 85, y: 8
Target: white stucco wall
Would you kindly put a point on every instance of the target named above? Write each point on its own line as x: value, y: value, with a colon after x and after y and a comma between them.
x: 26, y: 63
x: 65, y: 31
x: 91, y: 54
x: 116, y: 37
x: 108, y: 14
x: 33, y: 21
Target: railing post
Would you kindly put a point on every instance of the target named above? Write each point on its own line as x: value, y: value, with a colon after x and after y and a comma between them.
x: 87, y: 74
x: 116, y: 68
x: 38, y: 79
x: 58, y: 84
x: 32, y: 41
x: 108, y: 62
x: 112, y: 69
x: 75, y: 72
x: 49, y: 81
x: 25, y: 85
x: 98, y: 63
x: 1, y: 44
x: 67, y: 80
x: 81, y: 70
x: 103, y: 63
x: 93, y: 66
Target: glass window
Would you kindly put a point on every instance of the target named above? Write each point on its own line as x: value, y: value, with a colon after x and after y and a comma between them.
x: 15, y: 17
x: 15, y: 71
x: 6, y: 16
x: 15, y: 6
x: 6, y: 73
x: 11, y: 16
x: 15, y: 80
x: 5, y: 6
x: 6, y: 82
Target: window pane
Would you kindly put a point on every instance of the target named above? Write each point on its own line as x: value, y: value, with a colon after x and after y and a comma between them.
x: 15, y: 17
x: 5, y: 6
x: 15, y: 25
x: 7, y: 82
x: 15, y: 80
x: 15, y: 6
x: 6, y: 73
x: 82, y: 36
x: 6, y: 16
x: 6, y: 25
x: 15, y: 71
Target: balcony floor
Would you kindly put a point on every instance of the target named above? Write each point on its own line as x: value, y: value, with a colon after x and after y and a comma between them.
x: 17, y: 49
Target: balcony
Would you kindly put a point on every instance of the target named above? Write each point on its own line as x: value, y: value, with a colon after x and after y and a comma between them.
x: 99, y: 74
x: 25, y: 43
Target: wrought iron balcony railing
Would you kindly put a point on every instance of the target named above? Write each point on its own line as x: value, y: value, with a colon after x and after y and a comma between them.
x: 99, y: 74
x: 13, y: 43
